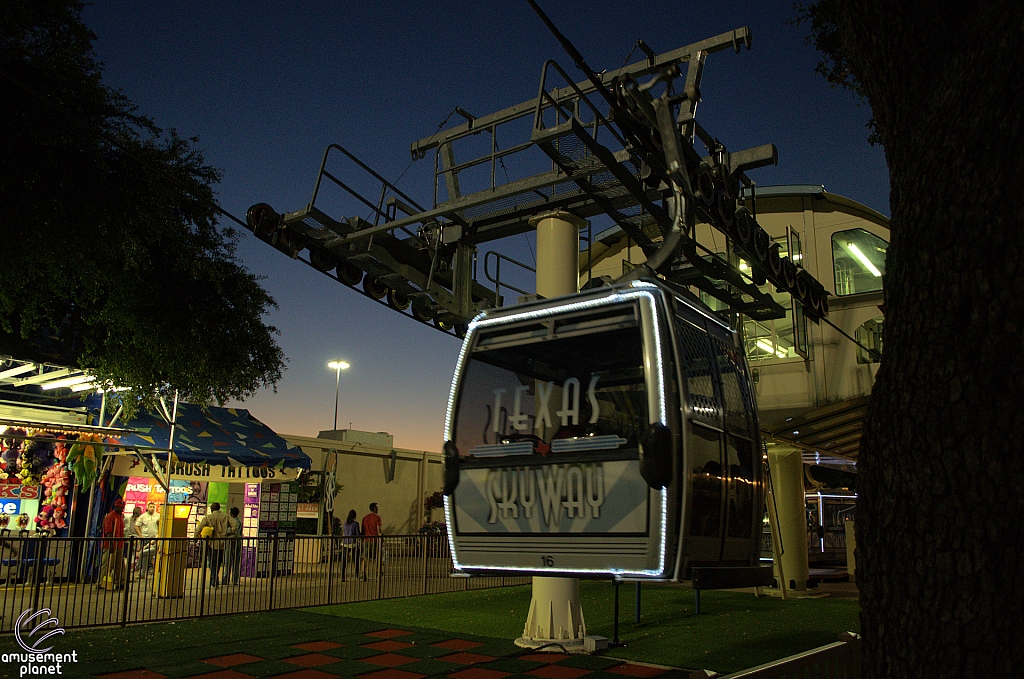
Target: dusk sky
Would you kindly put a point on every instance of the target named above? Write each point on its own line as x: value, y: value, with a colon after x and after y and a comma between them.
x: 267, y: 86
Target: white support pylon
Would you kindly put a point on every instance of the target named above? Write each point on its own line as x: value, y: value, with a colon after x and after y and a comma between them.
x: 555, y: 622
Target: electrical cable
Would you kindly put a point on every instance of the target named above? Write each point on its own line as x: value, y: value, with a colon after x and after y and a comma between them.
x: 508, y: 180
x: 631, y: 50
x: 439, y: 126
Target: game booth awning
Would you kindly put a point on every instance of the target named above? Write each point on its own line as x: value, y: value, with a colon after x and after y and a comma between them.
x: 228, y: 438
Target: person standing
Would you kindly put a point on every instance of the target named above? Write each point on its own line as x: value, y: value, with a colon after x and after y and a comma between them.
x: 219, y: 528
x: 148, y: 528
x: 130, y: 529
x: 372, y: 530
x: 233, y: 564
x: 112, y: 565
x: 349, y: 546
x: 148, y: 525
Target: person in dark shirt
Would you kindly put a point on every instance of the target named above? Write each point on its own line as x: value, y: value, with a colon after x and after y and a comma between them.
x: 349, y: 545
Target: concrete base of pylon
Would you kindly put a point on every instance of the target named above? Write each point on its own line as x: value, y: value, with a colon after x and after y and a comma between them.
x: 555, y: 622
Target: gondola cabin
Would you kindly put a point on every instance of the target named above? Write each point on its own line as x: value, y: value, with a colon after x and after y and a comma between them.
x: 612, y: 432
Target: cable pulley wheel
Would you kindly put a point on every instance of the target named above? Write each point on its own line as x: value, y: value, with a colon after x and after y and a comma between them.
x: 373, y: 287
x: 397, y: 300
x: 349, y: 274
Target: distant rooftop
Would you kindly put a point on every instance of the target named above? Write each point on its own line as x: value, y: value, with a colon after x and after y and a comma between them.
x: 784, y: 190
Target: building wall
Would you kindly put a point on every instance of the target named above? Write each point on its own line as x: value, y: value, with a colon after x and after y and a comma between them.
x: 831, y: 373
x: 363, y: 474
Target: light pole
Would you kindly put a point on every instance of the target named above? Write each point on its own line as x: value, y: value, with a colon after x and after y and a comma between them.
x: 337, y: 367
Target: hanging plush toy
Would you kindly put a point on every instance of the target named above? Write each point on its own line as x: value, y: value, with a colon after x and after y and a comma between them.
x: 84, y: 458
x: 36, y: 457
x: 55, y: 483
x: 9, y: 458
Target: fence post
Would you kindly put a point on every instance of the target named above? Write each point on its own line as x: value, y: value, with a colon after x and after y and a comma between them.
x: 615, y: 620
x: 127, y: 591
x: 273, y: 572
x: 425, y: 546
x: 380, y: 573
x: 203, y: 556
x: 38, y: 575
x: 330, y: 568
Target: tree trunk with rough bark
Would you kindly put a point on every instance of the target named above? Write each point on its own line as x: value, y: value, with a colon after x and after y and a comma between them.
x: 940, y: 516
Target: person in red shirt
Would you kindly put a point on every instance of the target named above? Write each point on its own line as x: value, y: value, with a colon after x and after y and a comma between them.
x: 371, y: 529
x: 371, y: 522
x: 112, y: 566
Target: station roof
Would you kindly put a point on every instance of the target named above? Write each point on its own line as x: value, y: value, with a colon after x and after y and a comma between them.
x: 829, y: 431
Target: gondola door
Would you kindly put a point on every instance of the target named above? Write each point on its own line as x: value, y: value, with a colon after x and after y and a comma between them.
x: 707, y: 496
x: 721, y: 477
x: 738, y: 544
x: 702, y: 469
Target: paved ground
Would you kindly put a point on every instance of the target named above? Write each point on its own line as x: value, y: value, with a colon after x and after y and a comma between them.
x: 302, y: 645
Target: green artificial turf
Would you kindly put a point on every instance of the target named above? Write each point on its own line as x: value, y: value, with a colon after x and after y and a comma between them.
x: 734, y: 631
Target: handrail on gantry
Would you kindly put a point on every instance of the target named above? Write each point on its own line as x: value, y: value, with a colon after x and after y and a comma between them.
x: 496, y: 278
x: 385, y: 184
x: 543, y: 95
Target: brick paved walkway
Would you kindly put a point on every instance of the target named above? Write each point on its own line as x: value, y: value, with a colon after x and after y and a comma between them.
x: 302, y: 645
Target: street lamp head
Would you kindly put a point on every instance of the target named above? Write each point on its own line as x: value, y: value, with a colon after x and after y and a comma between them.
x: 338, y: 365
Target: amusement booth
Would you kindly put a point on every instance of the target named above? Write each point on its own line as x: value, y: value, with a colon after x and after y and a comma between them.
x: 221, y: 455
x: 45, y: 452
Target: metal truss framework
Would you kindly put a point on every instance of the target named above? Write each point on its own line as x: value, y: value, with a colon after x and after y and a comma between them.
x: 611, y: 145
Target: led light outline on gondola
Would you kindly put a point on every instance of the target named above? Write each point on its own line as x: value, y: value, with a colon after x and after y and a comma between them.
x: 641, y: 292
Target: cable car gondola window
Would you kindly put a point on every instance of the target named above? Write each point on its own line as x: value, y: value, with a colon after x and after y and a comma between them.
x: 706, y: 472
x: 741, y: 487
x: 534, y: 398
x: 736, y: 394
x: 698, y: 369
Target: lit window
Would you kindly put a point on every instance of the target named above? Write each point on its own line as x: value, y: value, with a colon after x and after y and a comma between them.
x: 776, y: 339
x: 870, y: 335
x: 859, y: 260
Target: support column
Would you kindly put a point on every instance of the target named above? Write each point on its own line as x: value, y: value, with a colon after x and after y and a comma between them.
x: 556, y: 616
x: 787, y: 469
x: 558, y: 253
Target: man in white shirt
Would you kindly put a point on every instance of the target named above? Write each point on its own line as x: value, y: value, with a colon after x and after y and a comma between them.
x: 148, y: 528
x: 148, y: 525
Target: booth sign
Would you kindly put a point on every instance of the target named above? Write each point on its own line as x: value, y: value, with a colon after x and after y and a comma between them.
x: 17, y: 491
x: 201, y: 471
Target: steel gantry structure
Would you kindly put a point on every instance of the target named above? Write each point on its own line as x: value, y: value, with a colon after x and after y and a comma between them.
x: 622, y: 143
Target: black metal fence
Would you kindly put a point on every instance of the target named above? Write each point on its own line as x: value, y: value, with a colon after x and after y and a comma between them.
x: 91, y: 581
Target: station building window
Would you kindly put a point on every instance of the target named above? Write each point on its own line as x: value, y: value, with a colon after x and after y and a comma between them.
x: 870, y: 335
x: 778, y: 338
x: 858, y: 259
